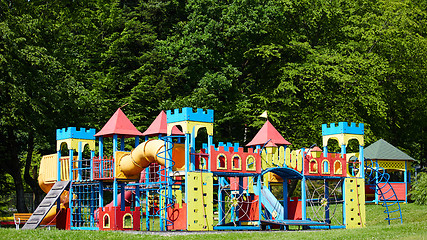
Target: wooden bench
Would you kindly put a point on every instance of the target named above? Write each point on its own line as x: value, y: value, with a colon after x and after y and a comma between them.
x: 21, y: 218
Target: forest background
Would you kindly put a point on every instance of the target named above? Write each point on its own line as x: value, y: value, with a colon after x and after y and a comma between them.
x: 307, y: 62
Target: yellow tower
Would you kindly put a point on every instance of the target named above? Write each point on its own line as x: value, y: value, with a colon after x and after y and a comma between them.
x: 354, y: 184
x: 198, y: 185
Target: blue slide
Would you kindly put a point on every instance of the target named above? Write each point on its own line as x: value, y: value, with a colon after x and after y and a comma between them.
x: 273, y: 206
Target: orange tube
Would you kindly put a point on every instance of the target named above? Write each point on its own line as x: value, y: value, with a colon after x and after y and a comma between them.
x: 148, y: 152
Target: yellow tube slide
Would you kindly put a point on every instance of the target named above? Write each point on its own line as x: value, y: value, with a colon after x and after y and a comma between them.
x: 148, y: 152
x: 47, y: 178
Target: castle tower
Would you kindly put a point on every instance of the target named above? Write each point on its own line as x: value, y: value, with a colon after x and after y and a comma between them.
x: 74, y: 140
x: 354, y: 185
x: 275, y: 147
x: 198, y: 185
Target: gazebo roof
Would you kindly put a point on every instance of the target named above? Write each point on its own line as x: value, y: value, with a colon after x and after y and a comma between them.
x: 120, y: 125
x: 159, y: 126
x: 268, y: 133
x: 382, y: 150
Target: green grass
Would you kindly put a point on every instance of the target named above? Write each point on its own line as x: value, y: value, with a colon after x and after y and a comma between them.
x: 414, y: 227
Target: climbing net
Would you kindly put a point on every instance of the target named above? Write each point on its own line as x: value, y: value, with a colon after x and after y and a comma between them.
x: 237, y: 205
x: 324, y: 201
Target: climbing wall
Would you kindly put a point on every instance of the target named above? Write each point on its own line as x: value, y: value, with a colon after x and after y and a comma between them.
x: 354, y: 202
x: 200, y: 201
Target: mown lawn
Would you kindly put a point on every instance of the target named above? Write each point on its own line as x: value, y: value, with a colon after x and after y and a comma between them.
x: 414, y: 227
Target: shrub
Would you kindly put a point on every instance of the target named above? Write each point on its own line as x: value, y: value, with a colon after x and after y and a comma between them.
x: 419, y: 189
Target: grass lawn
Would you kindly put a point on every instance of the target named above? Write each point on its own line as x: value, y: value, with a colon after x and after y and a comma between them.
x: 414, y: 227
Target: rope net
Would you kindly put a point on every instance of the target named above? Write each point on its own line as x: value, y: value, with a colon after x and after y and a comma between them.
x: 324, y: 201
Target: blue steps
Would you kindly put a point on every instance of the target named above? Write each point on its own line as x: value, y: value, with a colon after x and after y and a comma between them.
x: 377, y: 175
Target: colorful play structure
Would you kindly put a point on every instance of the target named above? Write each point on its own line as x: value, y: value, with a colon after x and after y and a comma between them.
x: 174, y: 181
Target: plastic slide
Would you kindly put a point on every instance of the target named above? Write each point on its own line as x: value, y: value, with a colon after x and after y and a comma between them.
x: 151, y: 151
x: 272, y: 204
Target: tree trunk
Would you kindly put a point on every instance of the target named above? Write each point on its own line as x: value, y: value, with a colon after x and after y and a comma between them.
x: 32, y: 182
x: 19, y: 190
x: 13, y: 167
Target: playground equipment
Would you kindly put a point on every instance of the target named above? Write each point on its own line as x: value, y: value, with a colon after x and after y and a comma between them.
x: 166, y: 184
x: 395, y: 163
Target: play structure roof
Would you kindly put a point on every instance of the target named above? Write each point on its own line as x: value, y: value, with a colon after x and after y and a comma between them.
x: 316, y: 149
x: 159, y: 126
x: 268, y: 133
x: 119, y: 124
x: 382, y: 150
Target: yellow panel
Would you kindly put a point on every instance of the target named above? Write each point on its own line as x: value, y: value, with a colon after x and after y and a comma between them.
x: 288, y: 157
x: 343, y: 139
x: 269, y: 159
x: 48, y: 172
x: 266, y: 179
x: 65, y: 168
x: 293, y: 159
x: 299, y: 162
x: 399, y: 165
x: 264, y: 160
x: 178, y: 196
x: 251, y: 185
x: 74, y: 143
x: 200, y: 201
x: 189, y: 127
x: 274, y: 156
x: 355, y: 202
x: 281, y: 156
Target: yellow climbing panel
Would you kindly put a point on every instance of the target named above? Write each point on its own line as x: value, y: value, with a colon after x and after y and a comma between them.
x: 354, y: 202
x: 200, y: 201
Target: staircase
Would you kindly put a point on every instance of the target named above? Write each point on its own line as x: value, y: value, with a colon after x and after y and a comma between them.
x: 47, y: 203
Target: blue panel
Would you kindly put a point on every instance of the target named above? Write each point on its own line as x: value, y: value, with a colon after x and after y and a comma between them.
x: 326, y: 227
x: 234, y: 174
x: 84, y: 228
x: 236, y: 228
x: 343, y: 127
x: 227, y: 146
x: 72, y: 132
x: 187, y: 114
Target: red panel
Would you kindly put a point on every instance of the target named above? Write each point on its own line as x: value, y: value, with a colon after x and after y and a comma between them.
x: 309, y: 165
x: 103, y: 168
x: 63, y: 219
x: 216, y: 156
x: 178, y: 216
x: 116, y: 218
x: 370, y: 192
x: 199, y: 157
x: 399, y: 189
x: 249, y: 210
x: 294, y: 209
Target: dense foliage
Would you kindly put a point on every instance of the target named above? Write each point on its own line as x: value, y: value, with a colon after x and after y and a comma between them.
x: 419, y: 190
x: 73, y: 63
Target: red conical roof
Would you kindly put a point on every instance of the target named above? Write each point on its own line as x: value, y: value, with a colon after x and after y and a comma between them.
x: 266, y: 133
x: 316, y: 149
x: 119, y: 124
x: 159, y: 126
